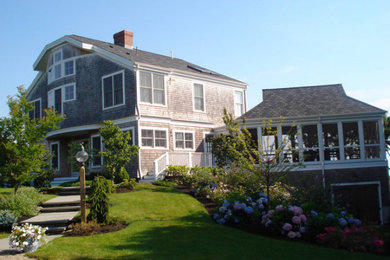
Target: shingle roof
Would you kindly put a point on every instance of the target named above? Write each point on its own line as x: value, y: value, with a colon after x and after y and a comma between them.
x: 310, y: 101
x: 140, y: 56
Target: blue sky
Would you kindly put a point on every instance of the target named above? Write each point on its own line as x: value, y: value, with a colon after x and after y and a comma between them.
x: 267, y: 44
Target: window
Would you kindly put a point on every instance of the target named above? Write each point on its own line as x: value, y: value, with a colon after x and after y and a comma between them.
x: 331, y: 142
x: 207, y: 143
x: 198, y: 97
x: 351, y: 140
x: 113, y: 90
x: 36, y: 112
x: 290, y: 143
x: 238, y: 103
x: 184, y: 140
x: 96, y: 148
x: 69, y: 93
x: 269, y: 140
x: 55, y: 151
x: 152, y: 88
x: 154, y: 138
x: 310, y: 143
x: 59, y: 67
x: 371, y: 139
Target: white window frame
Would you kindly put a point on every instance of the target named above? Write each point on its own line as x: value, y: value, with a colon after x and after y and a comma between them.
x: 40, y: 106
x: 51, y: 70
x: 154, y: 140
x: 204, y: 140
x: 131, y: 129
x: 113, y: 88
x: 152, y: 88
x: 101, y: 149
x: 372, y: 145
x: 184, y: 140
x: 52, y: 91
x: 64, y: 95
x: 204, y: 97
x: 242, y: 103
x: 58, y: 158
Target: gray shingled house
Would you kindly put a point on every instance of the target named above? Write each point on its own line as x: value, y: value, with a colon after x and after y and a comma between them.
x: 339, y: 139
x: 170, y: 106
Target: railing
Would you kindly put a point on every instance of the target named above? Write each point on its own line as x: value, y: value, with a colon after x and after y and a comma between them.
x: 182, y: 158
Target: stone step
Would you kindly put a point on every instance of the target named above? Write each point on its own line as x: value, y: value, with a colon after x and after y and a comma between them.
x: 56, y: 230
x: 74, y: 188
x: 52, y: 219
x: 61, y: 201
x: 60, y: 209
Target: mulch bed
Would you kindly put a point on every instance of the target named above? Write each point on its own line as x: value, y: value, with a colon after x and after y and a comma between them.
x: 122, y: 190
x: 93, y: 229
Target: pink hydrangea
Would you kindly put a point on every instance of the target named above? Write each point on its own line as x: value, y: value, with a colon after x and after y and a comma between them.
x: 296, y: 220
x: 291, y: 234
x: 287, y: 227
x: 296, y: 210
x: 303, y: 218
x: 279, y: 208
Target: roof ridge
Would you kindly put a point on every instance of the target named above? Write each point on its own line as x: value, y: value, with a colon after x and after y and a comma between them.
x: 314, y: 86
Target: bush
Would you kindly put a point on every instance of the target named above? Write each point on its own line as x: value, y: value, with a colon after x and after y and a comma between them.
x: 22, y: 203
x: 177, y: 172
x: 165, y: 183
x: 7, y: 220
x: 127, y: 184
x: 363, y: 239
x: 84, y: 229
x: 244, y: 181
x: 99, y: 200
x: 121, y: 176
x: 44, y: 178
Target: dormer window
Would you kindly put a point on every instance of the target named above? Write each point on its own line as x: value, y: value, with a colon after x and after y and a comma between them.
x: 59, y: 67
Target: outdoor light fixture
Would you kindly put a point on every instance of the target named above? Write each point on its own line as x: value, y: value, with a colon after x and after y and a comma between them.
x: 82, y: 157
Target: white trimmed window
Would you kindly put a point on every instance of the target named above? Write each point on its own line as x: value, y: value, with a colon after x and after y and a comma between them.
x: 371, y: 139
x: 238, y: 103
x: 154, y: 138
x: 59, y: 67
x: 113, y: 90
x: 331, y: 142
x: 198, y: 97
x: 311, y: 151
x: 152, y: 88
x: 97, y: 146
x: 351, y: 140
x: 184, y: 140
x: 36, y: 112
x: 56, y: 97
x: 55, y: 151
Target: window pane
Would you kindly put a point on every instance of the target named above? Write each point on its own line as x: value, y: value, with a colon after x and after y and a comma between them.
x: 146, y: 95
x: 58, y: 100
x: 290, y: 137
x: 332, y: 154
x: 371, y: 132
x: 330, y: 135
x: 69, y: 67
x: 118, y: 89
x: 96, y: 148
x: 161, y: 143
x: 208, y: 138
x: 311, y: 155
x: 107, y: 89
x: 238, y: 97
x: 158, y: 96
x: 54, y: 160
x: 57, y: 56
x: 161, y: 134
x: 189, y: 140
x: 57, y: 71
x: 198, y: 90
x: 160, y: 138
x: 147, y: 137
x: 158, y: 81
x: 310, y: 136
x: 238, y: 109
x: 351, y: 133
x: 372, y: 152
x: 352, y: 153
x: 199, y: 104
x: 179, y: 137
x: 69, y: 92
x: 145, y: 79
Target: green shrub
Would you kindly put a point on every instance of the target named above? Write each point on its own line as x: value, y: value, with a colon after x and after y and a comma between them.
x: 242, y: 180
x: 7, y: 220
x: 127, y: 184
x: 44, y: 178
x: 99, y: 200
x: 76, y: 183
x: 121, y: 176
x: 177, y: 172
x: 317, y: 223
x: 22, y: 203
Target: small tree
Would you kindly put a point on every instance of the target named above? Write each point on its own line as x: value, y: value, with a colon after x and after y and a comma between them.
x: 237, y: 147
x: 117, y: 148
x: 23, y: 151
x: 99, y: 200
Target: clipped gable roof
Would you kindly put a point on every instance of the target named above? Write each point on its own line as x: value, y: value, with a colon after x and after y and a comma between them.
x: 144, y: 57
x: 325, y: 100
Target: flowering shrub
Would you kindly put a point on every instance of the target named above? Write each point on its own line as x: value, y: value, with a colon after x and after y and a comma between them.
x: 288, y: 221
x: 27, y: 237
x: 362, y: 239
x: 241, y: 209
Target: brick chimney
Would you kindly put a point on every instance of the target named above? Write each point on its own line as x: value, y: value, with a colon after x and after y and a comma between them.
x: 124, y: 38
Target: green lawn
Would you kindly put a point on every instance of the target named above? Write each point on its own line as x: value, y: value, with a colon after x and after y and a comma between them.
x: 167, y: 224
x: 7, y: 191
x: 3, y: 235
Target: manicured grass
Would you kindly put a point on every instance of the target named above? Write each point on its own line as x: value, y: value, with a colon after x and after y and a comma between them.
x: 3, y: 235
x: 7, y: 191
x: 167, y: 224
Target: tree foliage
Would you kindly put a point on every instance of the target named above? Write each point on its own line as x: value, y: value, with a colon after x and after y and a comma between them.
x: 117, y: 148
x: 99, y: 200
x: 23, y: 151
x: 237, y: 147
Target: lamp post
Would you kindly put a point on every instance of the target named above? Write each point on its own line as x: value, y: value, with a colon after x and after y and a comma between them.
x: 82, y: 157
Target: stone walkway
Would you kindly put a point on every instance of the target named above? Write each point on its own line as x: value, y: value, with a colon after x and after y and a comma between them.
x: 43, y: 219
